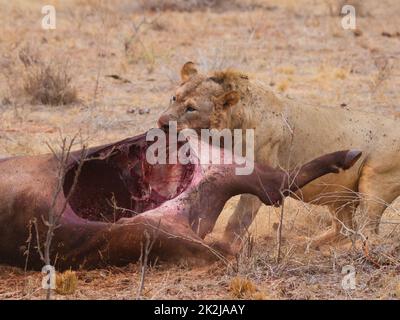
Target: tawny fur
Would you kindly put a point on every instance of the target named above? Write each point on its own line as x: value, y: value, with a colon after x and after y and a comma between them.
x: 287, y: 134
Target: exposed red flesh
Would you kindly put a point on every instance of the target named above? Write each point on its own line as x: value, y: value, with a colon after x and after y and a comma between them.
x: 177, y: 204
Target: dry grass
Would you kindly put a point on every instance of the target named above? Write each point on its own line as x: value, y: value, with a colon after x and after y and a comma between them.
x: 296, y: 46
x: 186, y: 5
x: 66, y: 282
x: 50, y: 84
x: 315, y: 275
x: 242, y: 288
x: 282, y: 86
x: 47, y: 83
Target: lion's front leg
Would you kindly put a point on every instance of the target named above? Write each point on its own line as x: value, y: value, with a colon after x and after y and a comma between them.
x: 243, y: 216
x: 238, y: 223
x: 248, y: 205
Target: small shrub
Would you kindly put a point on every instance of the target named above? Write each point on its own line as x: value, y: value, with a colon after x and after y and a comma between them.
x: 242, y: 288
x: 341, y: 74
x: 49, y: 84
x: 283, y: 86
x: 66, y: 282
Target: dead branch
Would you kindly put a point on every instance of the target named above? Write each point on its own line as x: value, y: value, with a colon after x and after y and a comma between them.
x: 144, y: 255
x: 54, y: 214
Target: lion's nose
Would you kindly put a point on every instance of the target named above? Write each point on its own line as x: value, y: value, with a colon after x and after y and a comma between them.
x: 163, y: 122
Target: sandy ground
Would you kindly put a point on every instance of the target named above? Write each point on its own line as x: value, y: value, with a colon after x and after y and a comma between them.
x: 298, y: 48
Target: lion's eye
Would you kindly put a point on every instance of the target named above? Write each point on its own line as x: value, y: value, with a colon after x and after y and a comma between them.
x: 190, y: 109
x: 173, y: 99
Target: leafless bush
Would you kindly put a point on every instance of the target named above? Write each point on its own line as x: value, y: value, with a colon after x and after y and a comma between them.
x: 50, y: 84
x: 144, y: 256
x: 51, y: 221
x: 7, y: 67
x: 384, y: 72
x: 46, y: 83
x: 135, y: 47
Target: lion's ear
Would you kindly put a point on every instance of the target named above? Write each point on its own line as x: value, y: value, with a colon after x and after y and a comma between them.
x: 188, y: 70
x: 229, y: 99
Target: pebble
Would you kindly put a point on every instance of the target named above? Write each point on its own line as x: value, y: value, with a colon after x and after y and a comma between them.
x: 140, y: 111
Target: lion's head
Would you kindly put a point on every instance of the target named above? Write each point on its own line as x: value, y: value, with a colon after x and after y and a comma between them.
x: 204, y: 101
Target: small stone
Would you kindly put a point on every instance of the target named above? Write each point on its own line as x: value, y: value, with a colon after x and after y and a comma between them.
x: 144, y: 110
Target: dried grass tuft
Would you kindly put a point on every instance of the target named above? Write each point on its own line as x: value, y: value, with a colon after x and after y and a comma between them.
x: 242, y: 288
x: 66, y: 282
x: 182, y: 5
x: 50, y: 85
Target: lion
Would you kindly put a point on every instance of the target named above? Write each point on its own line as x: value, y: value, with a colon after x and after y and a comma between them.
x: 288, y: 134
